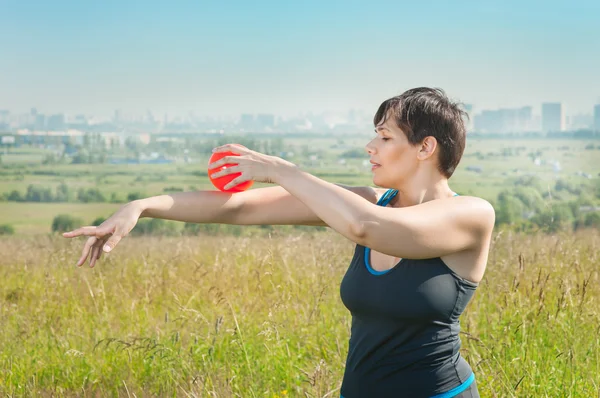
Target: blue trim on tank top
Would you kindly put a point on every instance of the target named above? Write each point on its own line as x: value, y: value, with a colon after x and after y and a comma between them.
x: 455, y: 391
x: 384, y: 201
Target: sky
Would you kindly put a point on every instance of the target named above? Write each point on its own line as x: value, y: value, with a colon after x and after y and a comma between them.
x: 218, y: 58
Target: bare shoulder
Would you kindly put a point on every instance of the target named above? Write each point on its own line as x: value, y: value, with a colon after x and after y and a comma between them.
x: 468, y: 213
x: 478, y: 216
x: 478, y: 212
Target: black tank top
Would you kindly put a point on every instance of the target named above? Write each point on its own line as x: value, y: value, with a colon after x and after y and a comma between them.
x: 404, y: 339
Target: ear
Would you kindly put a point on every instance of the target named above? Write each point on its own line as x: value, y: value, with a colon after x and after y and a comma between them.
x: 427, y: 148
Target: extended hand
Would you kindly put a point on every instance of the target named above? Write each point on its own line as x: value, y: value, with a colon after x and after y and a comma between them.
x: 252, y: 165
x: 108, y: 234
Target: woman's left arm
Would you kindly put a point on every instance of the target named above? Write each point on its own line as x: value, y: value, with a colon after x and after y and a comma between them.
x: 427, y: 230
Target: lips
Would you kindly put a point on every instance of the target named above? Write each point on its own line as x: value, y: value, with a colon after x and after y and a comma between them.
x: 375, y: 165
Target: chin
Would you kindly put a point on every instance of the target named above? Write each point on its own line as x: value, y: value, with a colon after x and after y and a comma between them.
x: 384, y: 183
x: 379, y: 182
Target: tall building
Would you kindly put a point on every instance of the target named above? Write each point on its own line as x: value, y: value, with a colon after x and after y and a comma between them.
x: 524, y: 119
x: 597, y: 118
x: 40, y: 122
x: 247, y: 121
x: 265, y: 120
x: 504, y: 121
x: 4, y: 116
x: 552, y: 117
x: 56, y: 122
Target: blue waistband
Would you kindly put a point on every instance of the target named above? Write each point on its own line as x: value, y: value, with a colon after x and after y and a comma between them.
x: 455, y: 391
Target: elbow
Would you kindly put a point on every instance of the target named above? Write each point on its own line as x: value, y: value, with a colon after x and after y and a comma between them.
x: 358, y: 231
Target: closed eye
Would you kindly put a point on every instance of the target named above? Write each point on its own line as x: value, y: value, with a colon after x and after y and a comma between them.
x: 383, y: 138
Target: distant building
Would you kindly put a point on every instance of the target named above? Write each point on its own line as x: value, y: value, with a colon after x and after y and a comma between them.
x: 503, y: 121
x: 40, y: 122
x: 524, y: 119
x: 597, y: 118
x: 247, y: 121
x: 4, y: 116
x: 56, y: 122
x: 265, y: 120
x: 581, y: 121
x: 552, y: 117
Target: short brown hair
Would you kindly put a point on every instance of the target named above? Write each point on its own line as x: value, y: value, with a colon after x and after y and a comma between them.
x: 422, y: 112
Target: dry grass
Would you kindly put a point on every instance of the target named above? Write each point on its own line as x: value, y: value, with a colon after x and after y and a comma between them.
x: 259, y: 317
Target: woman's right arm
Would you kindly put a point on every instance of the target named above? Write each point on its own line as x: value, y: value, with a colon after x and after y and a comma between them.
x: 262, y: 206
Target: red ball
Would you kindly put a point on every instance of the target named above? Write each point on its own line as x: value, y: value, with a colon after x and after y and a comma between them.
x: 220, y: 182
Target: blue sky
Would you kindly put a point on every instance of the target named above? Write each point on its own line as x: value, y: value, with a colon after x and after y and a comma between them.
x: 229, y: 57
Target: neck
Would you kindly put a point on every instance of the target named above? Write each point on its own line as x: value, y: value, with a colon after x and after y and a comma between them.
x: 423, y: 188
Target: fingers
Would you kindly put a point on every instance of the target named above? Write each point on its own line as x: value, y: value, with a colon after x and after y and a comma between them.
x: 86, y: 250
x: 225, y: 160
x: 227, y: 171
x: 235, y: 182
x: 87, y: 231
x: 95, y: 254
x: 112, y: 242
x: 234, y: 148
x: 97, y: 251
x: 93, y: 248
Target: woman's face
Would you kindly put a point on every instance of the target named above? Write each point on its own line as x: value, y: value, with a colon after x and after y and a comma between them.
x: 392, y: 157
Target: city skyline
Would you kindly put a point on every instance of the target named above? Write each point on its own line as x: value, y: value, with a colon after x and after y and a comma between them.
x: 552, y: 118
x: 473, y: 109
x: 288, y: 59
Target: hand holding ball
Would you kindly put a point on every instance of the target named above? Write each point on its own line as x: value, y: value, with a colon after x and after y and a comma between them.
x: 220, y: 182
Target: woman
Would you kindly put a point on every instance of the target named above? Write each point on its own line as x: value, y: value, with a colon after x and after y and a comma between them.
x: 420, y: 249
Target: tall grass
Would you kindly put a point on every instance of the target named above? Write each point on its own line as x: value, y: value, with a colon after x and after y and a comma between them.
x: 260, y: 317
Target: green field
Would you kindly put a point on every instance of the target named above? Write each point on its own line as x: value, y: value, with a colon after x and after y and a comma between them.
x: 500, y: 161
x: 36, y: 218
x: 255, y: 311
x: 232, y: 317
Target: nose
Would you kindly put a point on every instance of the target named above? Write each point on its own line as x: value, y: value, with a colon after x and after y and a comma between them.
x: 370, y: 148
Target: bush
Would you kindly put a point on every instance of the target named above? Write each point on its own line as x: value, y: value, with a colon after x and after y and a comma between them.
x: 529, y: 181
x: 114, y: 198
x: 65, y: 222
x: 355, y: 153
x: 193, y: 229
x: 156, y: 227
x: 36, y: 193
x: 90, y: 195
x: 172, y: 189
x: 509, y: 209
x: 62, y: 193
x: 555, y: 218
x: 6, y: 229
x: 592, y: 220
x: 98, y: 221
x: 134, y: 196
x: 15, y: 196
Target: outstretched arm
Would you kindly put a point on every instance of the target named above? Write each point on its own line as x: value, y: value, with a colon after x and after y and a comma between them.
x: 262, y: 206
x: 427, y: 230
x: 272, y: 205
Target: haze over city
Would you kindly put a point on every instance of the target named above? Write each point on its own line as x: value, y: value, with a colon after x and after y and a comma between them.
x: 290, y: 59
